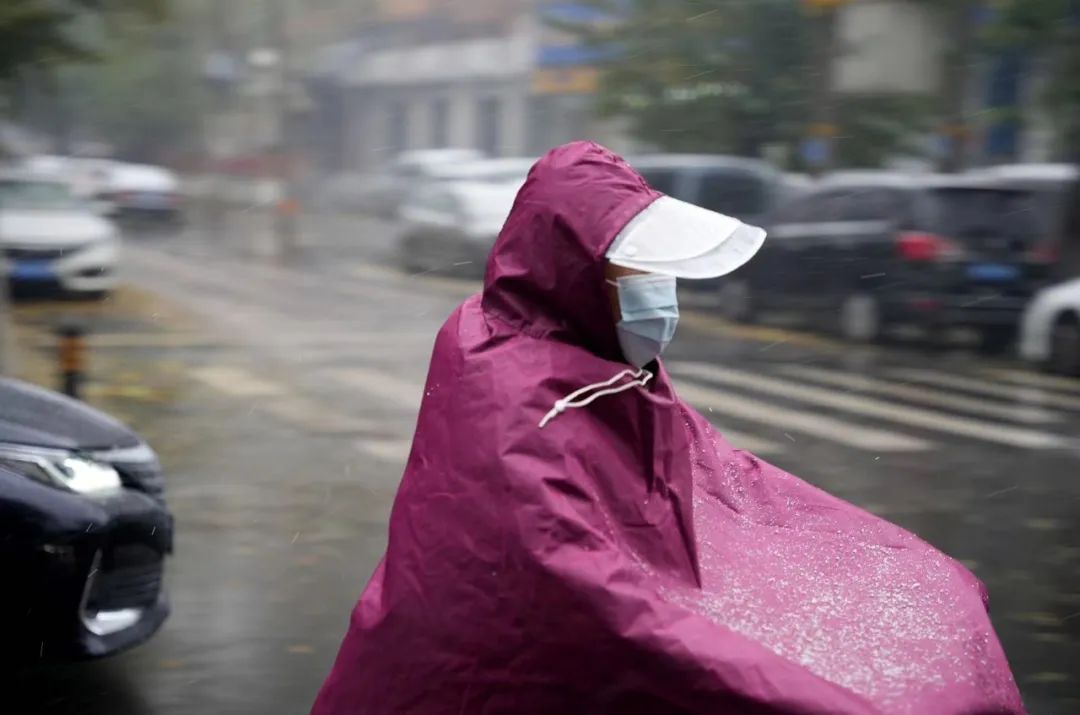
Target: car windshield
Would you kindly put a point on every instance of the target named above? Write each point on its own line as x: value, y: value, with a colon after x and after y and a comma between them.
x: 36, y: 196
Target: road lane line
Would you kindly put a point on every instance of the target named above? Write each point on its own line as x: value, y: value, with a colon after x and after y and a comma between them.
x: 1018, y: 393
x: 236, y: 382
x: 1035, y: 379
x: 777, y: 417
x: 927, y: 396
x: 869, y: 407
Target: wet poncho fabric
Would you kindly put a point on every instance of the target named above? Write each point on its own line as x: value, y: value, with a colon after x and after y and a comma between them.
x: 626, y: 558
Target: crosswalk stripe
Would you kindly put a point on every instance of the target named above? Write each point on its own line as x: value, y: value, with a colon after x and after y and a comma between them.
x: 316, y: 418
x: 380, y: 384
x: 1030, y: 395
x: 851, y: 435
x: 869, y: 407
x: 276, y: 400
x: 236, y: 381
x: 387, y: 450
x: 1035, y: 379
x: 927, y: 396
x: 752, y: 443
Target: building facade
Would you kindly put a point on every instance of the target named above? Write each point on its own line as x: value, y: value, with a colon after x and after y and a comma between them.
x: 492, y: 75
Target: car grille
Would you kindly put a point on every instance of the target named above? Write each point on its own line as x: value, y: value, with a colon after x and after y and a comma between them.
x: 146, y: 477
x: 37, y: 254
x: 129, y: 576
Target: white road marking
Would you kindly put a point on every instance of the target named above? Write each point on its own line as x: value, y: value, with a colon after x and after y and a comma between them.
x: 236, y: 381
x: 1031, y: 395
x: 792, y: 420
x: 316, y: 418
x: 1035, y: 379
x: 750, y: 443
x: 277, y: 400
x: 889, y: 411
x: 927, y: 396
x: 380, y: 384
x: 395, y: 451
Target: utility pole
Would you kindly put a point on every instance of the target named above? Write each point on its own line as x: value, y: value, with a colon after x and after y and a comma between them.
x: 287, y: 207
x: 817, y: 147
x: 955, y: 130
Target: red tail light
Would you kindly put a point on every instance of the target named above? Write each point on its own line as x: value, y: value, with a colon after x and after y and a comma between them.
x: 925, y: 247
x: 1044, y: 252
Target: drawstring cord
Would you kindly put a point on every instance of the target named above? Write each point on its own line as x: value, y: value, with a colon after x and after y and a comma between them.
x: 640, y: 378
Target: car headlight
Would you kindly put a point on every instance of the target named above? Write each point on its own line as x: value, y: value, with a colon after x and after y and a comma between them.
x: 60, y: 468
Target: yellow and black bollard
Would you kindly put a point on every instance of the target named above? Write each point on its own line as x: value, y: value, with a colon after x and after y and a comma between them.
x: 72, y: 356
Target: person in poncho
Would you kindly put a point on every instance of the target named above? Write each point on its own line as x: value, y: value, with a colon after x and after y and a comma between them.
x: 570, y: 536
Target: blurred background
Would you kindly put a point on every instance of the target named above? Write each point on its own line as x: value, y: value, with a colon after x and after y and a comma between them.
x: 232, y: 229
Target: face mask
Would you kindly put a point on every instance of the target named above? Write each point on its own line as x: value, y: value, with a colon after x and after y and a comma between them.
x: 650, y: 312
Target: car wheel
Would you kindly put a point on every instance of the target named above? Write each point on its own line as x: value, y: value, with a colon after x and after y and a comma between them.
x: 860, y: 318
x: 736, y: 300
x: 997, y: 340
x: 1065, y: 346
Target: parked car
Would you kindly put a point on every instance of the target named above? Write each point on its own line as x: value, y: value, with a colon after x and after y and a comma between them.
x: 869, y: 250
x: 84, y: 529
x: 450, y: 227
x: 408, y: 171
x: 142, y: 196
x: 745, y: 188
x: 52, y: 239
x: 736, y: 186
x: 1050, y: 331
x: 496, y: 171
x: 1055, y: 191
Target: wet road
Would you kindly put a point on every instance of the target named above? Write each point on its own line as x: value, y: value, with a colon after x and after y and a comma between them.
x: 282, y: 401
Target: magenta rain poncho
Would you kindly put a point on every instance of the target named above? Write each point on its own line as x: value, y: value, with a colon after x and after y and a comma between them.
x: 625, y: 558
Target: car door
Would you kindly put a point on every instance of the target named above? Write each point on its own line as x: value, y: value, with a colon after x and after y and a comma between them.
x: 859, y: 255
x: 774, y: 271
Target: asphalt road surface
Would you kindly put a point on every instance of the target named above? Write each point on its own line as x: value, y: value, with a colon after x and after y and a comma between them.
x: 282, y: 399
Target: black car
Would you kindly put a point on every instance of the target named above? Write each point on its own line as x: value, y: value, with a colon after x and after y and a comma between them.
x: 868, y: 250
x: 84, y: 530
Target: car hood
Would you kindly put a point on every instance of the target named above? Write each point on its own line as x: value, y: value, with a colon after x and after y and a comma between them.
x: 53, y: 228
x: 34, y: 416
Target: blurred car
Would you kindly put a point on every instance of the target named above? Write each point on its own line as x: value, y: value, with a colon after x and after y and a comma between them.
x: 869, y: 250
x: 501, y: 170
x: 141, y: 196
x: 745, y: 188
x: 84, y: 529
x: 1055, y: 191
x: 409, y: 170
x: 1050, y: 331
x: 450, y: 227
x: 52, y: 239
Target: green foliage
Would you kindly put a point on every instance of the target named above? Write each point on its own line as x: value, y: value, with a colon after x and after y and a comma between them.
x: 1050, y: 29
x: 41, y: 32
x: 725, y: 76
x: 143, y: 95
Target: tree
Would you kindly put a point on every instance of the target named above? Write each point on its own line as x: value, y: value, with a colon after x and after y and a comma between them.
x: 726, y: 76
x: 42, y: 31
x: 1050, y: 30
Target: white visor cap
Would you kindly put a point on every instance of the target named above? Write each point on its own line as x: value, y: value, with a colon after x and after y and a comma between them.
x: 674, y: 238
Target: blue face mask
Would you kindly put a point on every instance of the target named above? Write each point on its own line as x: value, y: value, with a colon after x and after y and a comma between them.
x: 650, y: 312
